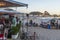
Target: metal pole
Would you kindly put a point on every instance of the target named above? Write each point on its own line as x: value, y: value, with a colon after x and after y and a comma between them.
x: 22, y: 22
x: 34, y: 35
x: 16, y: 8
x: 27, y: 21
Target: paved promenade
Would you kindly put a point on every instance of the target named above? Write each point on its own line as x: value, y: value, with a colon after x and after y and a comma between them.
x: 43, y: 34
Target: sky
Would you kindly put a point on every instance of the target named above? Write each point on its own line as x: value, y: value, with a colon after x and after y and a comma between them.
x: 52, y: 6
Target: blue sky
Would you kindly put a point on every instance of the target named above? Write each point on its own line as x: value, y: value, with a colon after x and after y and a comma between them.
x: 52, y: 6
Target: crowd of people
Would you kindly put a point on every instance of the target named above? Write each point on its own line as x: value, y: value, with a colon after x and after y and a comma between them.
x: 51, y: 24
x: 31, y: 23
x: 5, y: 24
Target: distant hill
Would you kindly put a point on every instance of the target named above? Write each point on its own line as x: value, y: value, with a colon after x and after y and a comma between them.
x: 36, y: 13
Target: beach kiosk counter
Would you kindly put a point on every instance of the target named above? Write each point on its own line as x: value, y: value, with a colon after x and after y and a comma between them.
x: 7, y: 4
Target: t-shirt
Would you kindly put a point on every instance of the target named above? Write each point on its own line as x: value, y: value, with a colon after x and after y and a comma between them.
x: 14, y: 21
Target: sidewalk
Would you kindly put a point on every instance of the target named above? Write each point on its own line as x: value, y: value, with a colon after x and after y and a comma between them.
x: 9, y: 39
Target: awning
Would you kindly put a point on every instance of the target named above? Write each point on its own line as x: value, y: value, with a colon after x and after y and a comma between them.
x: 8, y: 12
x: 11, y: 3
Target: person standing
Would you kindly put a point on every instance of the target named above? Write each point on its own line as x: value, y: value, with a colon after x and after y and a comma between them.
x: 14, y: 21
x: 49, y: 26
